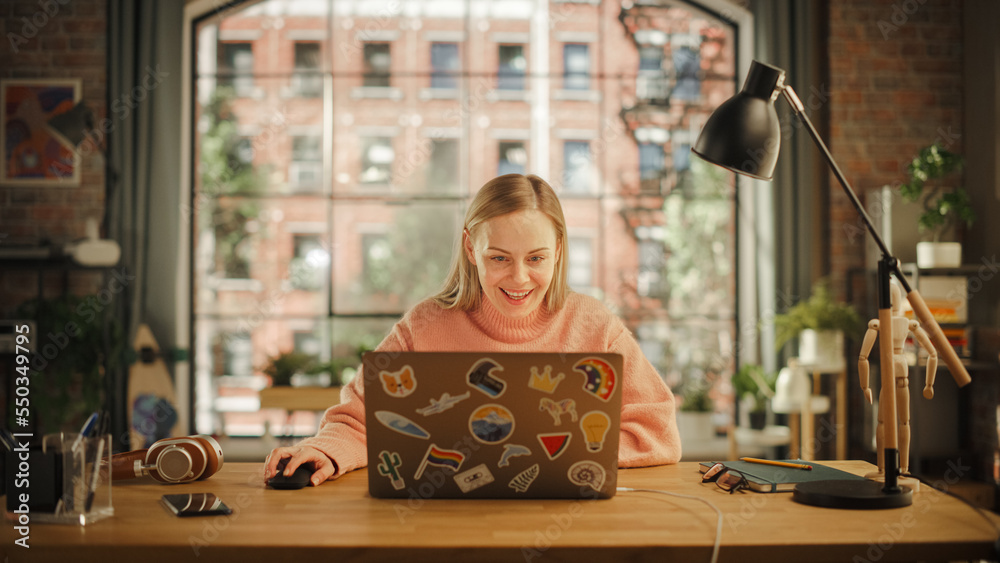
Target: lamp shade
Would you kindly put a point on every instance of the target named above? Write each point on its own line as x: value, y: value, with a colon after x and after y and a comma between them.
x: 743, y: 134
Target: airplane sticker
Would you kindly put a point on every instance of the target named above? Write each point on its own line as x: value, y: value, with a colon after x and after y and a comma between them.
x: 444, y: 403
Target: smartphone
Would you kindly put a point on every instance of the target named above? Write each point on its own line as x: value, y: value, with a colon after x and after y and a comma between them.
x: 195, y: 504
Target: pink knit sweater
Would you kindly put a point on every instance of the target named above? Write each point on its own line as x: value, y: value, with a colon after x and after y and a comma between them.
x: 648, y: 423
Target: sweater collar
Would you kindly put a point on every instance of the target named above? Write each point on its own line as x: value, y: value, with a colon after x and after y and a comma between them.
x: 513, y: 331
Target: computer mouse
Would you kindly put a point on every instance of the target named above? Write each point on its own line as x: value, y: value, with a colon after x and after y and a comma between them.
x: 297, y: 480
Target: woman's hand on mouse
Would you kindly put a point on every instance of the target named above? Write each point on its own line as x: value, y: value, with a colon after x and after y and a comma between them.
x: 323, y: 466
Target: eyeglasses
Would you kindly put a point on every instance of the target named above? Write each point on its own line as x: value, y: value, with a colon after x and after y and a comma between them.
x: 727, y: 479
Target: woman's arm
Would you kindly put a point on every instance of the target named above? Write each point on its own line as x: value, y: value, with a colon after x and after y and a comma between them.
x: 649, y: 433
x: 341, y: 435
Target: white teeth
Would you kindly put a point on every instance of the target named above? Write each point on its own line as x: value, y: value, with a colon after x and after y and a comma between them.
x: 516, y: 295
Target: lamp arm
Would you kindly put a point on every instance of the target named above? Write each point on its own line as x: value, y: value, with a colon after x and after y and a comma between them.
x: 948, y: 355
x: 799, y: 109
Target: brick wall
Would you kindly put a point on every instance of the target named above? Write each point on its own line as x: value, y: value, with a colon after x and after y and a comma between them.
x: 52, y: 39
x: 896, y: 86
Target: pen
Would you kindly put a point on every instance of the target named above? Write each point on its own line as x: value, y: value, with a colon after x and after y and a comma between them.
x: 102, y: 428
x: 85, y: 431
x: 777, y: 463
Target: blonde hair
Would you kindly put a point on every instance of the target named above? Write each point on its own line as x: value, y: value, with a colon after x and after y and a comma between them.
x: 500, y: 196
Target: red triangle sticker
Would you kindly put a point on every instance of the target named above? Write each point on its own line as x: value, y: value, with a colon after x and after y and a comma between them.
x: 554, y: 444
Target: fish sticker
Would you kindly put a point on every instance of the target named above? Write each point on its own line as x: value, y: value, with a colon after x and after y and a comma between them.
x: 389, y: 467
x: 401, y: 424
x: 474, y: 478
x: 601, y: 377
x: 481, y: 377
x: 491, y: 424
x: 512, y: 450
x: 444, y: 403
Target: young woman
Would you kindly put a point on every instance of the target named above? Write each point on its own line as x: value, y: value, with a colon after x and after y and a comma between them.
x: 506, y: 292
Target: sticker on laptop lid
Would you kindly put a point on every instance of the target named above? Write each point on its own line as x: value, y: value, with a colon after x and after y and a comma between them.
x: 545, y: 382
x: 491, y: 423
x: 601, y: 377
x: 587, y: 473
x: 400, y: 383
x: 440, y: 457
x: 554, y: 443
x: 512, y: 450
x: 401, y: 424
x: 524, y: 479
x: 595, y: 425
x: 481, y: 377
x: 558, y: 408
x: 389, y: 467
x: 444, y: 403
x: 474, y: 478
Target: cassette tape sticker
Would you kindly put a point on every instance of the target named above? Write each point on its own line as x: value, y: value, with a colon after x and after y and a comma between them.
x: 474, y: 478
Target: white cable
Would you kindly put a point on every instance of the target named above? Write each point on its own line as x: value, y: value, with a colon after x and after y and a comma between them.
x: 718, y: 526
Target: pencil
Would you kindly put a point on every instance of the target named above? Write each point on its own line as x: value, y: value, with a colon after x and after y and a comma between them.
x: 778, y: 463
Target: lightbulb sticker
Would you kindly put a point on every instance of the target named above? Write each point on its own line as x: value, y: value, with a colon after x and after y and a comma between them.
x: 595, y: 426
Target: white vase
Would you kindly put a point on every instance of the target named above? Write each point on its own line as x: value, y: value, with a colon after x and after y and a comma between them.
x: 939, y: 254
x: 695, y: 427
x: 822, y: 350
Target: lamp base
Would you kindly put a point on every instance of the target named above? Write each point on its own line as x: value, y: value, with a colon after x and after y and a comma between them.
x: 854, y: 495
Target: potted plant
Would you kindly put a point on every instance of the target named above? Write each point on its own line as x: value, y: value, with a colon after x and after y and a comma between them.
x: 820, y: 324
x: 284, y: 366
x: 945, y: 206
x: 695, y: 419
x: 753, y: 388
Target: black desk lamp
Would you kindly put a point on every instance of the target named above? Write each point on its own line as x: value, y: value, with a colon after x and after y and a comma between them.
x: 744, y: 135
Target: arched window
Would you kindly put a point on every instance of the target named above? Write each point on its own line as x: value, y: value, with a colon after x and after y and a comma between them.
x: 336, y: 143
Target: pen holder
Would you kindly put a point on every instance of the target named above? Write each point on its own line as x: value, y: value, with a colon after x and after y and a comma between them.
x: 64, y: 480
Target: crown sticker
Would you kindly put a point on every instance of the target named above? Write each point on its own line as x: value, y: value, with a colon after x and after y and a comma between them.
x: 545, y: 382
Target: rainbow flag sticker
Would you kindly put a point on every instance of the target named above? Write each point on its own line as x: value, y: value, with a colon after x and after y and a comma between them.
x: 440, y: 457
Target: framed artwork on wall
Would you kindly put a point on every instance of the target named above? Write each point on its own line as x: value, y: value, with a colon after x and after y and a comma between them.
x: 33, y: 153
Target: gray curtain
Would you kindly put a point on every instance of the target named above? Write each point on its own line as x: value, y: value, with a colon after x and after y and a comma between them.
x: 143, y: 206
x: 792, y: 35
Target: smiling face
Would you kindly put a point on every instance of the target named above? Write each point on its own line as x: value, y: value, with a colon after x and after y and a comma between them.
x: 515, y: 256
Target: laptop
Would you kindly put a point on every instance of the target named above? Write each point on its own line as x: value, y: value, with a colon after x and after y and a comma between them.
x: 492, y: 425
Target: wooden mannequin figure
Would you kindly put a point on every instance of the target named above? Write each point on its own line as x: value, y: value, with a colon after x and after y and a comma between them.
x: 901, y: 326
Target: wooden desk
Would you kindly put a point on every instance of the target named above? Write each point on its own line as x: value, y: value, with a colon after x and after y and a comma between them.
x: 338, y: 521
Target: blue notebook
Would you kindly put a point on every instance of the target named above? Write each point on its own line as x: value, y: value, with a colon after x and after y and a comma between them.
x: 775, y: 479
